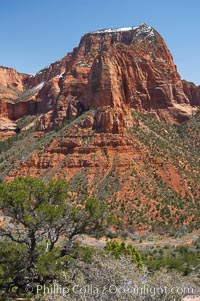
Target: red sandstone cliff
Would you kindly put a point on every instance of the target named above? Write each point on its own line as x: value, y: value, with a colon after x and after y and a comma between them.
x: 192, y: 92
x: 111, y: 71
x: 10, y: 78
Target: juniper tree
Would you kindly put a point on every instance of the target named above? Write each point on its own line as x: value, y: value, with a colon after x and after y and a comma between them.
x: 40, y: 227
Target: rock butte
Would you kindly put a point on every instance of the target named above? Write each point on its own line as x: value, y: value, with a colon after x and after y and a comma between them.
x: 112, y: 71
x: 110, y: 74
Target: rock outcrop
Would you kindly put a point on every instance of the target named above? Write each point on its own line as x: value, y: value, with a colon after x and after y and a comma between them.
x: 11, y: 79
x: 192, y: 92
x: 111, y: 71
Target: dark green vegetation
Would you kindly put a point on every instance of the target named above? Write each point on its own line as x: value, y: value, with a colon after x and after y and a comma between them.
x: 39, y: 231
x: 117, y: 249
x: 39, y: 248
x: 185, y: 259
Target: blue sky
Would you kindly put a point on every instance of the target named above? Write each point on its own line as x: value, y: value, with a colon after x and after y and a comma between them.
x: 35, y: 33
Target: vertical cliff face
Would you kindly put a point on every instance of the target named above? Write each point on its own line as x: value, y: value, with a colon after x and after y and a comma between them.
x: 107, y: 94
x: 10, y: 78
x: 133, y: 68
x: 193, y: 92
x: 12, y: 84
